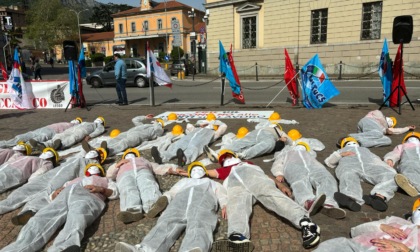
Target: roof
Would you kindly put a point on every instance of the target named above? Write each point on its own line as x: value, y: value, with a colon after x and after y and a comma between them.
x: 156, y: 7
x: 99, y: 36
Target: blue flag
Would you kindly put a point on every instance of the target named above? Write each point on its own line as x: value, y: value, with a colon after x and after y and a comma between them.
x: 317, y: 89
x: 385, y: 71
x: 82, y: 63
x: 73, y: 78
x: 224, y: 67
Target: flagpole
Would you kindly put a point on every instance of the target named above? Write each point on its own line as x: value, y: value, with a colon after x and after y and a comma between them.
x: 282, y: 89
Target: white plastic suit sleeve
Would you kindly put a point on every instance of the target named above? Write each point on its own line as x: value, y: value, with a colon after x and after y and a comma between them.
x: 138, y: 120
x: 333, y: 159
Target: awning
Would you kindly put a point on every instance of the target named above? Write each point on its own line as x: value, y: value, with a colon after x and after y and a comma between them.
x: 140, y: 37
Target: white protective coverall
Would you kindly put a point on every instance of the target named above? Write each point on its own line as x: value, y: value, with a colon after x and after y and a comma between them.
x: 247, y: 183
x: 303, y: 172
x: 162, y: 142
x: 408, y: 157
x: 372, y: 129
x: 41, y: 135
x: 76, y: 134
x: 363, y: 165
x: 365, y: 232
x: 6, y: 154
x: 36, y: 192
x: 137, y: 184
x: 21, y: 168
x: 195, y: 139
x: 192, y: 206
x: 75, y: 207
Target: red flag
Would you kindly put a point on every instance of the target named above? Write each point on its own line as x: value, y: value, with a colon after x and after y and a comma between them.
x: 240, y: 97
x: 3, y: 72
x: 398, y: 73
x: 289, y: 78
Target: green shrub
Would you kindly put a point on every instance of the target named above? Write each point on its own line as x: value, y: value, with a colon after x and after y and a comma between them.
x: 175, y: 54
x: 97, y: 57
x: 108, y: 59
x: 88, y: 63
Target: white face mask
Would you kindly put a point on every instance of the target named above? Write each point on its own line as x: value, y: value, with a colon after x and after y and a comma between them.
x: 129, y: 155
x: 300, y: 148
x: 46, y: 155
x: 94, y: 170
x: 351, y: 143
x: 416, y: 216
x: 197, y: 172
x: 231, y: 161
x: 98, y: 121
x: 19, y: 148
x: 91, y: 154
x: 75, y: 121
x: 414, y: 140
x: 389, y: 122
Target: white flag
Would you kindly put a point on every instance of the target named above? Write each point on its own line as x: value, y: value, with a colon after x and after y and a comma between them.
x: 159, y: 75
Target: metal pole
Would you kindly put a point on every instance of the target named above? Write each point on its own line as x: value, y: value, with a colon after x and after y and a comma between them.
x: 223, y: 89
x: 78, y: 25
x: 256, y: 71
x: 152, y: 90
x: 166, y: 30
x: 193, y: 15
x: 339, y: 74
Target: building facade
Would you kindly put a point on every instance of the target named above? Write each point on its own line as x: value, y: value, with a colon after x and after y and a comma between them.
x: 351, y: 32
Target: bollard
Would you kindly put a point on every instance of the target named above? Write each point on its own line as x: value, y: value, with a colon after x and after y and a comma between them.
x: 339, y: 73
x: 182, y: 75
x: 256, y: 71
x: 179, y: 75
x: 166, y: 66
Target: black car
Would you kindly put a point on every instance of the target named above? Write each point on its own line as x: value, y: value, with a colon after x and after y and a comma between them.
x: 182, y: 65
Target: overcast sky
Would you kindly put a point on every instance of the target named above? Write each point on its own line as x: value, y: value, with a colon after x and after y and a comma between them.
x: 198, y: 4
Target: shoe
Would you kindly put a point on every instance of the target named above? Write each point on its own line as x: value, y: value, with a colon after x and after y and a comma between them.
x: 347, y: 202
x: 403, y: 182
x: 123, y: 104
x: 118, y: 102
x: 157, y: 207
x: 156, y: 155
x: 124, y: 247
x: 407, y: 216
x: 56, y: 144
x: 182, y: 159
x: 211, y: 154
x: 333, y: 212
x: 375, y: 202
x: 310, y: 233
x: 196, y: 249
x: 226, y: 245
x: 72, y: 248
x: 313, y: 206
x: 129, y: 216
x: 23, y: 218
x: 86, y: 146
x: 238, y: 238
x: 37, y: 145
x: 104, y: 145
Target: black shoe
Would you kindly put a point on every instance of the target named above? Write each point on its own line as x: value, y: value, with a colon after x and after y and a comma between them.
x: 211, y: 154
x: 156, y: 155
x: 86, y: 146
x: 23, y: 218
x: 181, y: 157
x: 56, y: 144
x: 72, y: 248
x: 347, y: 202
x: 123, y: 104
x: 118, y: 102
x: 310, y: 233
x: 104, y: 145
x: 157, y: 207
x: 228, y: 245
x: 37, y: 145
x: 375, y: 202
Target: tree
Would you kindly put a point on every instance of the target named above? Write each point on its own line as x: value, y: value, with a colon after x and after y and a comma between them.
x: 177, y: 52
x: 102, y: 14
x: 50, y: 23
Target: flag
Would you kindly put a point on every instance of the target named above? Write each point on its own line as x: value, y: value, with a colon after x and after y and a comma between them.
x: 153, y: 65
x: 82, y: 63
x: 227, y: 67
x: 398, y: 73
x: 317, y: 89
x: 3, y: 72
x: 385, y: 71
x: 289, y: 78
x: 21, y: 92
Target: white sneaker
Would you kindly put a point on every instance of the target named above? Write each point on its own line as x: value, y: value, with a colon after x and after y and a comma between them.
x: 125, y: 247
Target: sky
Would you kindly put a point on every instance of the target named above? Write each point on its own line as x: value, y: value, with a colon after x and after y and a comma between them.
x: 198, y: 4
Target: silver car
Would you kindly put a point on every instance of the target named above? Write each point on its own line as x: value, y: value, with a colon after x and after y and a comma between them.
x: 136, y: 74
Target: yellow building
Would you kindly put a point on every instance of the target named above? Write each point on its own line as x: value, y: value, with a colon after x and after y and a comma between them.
x: 154, y: 23
x: 351, y: 31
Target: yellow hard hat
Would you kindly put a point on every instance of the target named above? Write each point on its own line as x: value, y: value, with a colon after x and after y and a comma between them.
x: 28, y: 148
x: 411, y: 134
x: 416, y: 204
x: 274, y: 116
x: 223, y: 153
x: 394, y: 121
x: 210, y: 117
x: 294, y: 134
x: 193, y: 164
x: 54, y: 152
x: 114, y: 133
x: 172, y: 117
x: 346, y: 140
x: 131, y: 150
x: 101, y: 169
x: 161, y: 122
x: 102, y: 119
x: 177, y: 130
x: 103, y: 154
x: 79, y: 119
x: 215, y: 127
x: 242, y: 131
x: 304, y: 144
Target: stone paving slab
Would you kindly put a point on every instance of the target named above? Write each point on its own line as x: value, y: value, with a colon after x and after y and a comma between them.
x: 268, y: 231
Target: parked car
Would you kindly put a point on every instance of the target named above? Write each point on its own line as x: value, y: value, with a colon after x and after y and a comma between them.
x: 182, y: 65
x: 136, y: 74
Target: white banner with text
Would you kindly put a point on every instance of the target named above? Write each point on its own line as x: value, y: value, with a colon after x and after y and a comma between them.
x: 230, y: 114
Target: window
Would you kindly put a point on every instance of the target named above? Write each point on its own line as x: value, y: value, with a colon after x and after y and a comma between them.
x: 133, y: 26
x: 371, y: 21
x: 145, y: 25
x: 319, y: 21
x: 159, y: 24
x: 173, y: 19
x: 120, y: 27
x: 249, y: 32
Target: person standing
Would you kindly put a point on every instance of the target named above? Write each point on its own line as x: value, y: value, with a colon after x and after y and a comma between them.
x: 37, y: 69
x: 121, y: 77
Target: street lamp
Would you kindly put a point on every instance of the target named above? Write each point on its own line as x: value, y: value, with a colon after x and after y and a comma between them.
x: 78, y: 24
x: 191, y: 14
x: 205, y: 20
x: 166, y: 28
